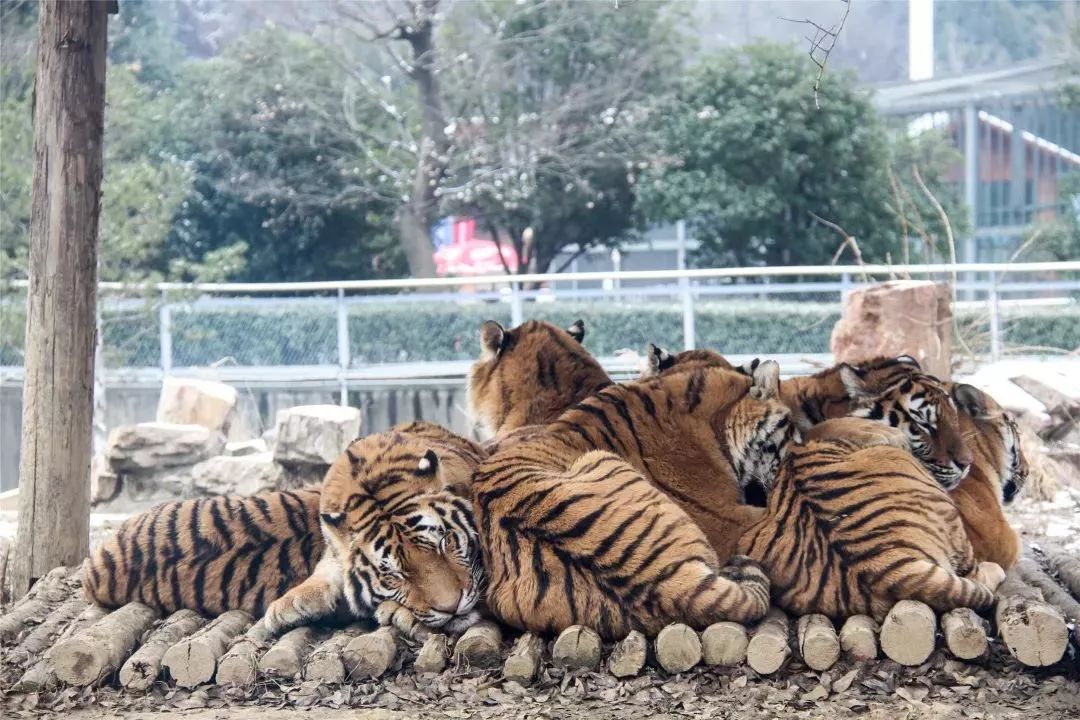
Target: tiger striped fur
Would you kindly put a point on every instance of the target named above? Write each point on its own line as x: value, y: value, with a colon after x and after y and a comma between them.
x: 404, y: 487
x: 616, y: 516
x: 855, y: 523
x: 530, y: 374
x: 998, y: 472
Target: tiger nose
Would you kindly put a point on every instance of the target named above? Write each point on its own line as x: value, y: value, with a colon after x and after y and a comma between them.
x: 447, y: 602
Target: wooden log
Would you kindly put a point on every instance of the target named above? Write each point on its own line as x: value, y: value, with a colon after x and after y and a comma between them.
x: 47, y: 592
x: 286, y: 658
x: 325, y: 664
x: 42, y: 637
x: 769, y: 648
x: 1068, y: 569
x: 142, y: 669
x: 818, y: 644
x: 433, y: 654
x: 41, y: 675
x: 480, y: 646
x: 859, y: 638
x: 5, y: 552
x: 965, y: 633
x: 100, y: 650
x: 193, y: 660
x: 1052, y: 592
x: 1035, y: 632
x: 908, y: 633
x: 239, y: 666
x: 370, y: 655
x: 523, y: 663
x: 678, y: 648
x: 629, y: 655
x: 58, y: 381
x: 576, y: 648
x: 724, y: 643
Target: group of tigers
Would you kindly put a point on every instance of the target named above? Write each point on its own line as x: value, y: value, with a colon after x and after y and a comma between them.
x: 696, y: 493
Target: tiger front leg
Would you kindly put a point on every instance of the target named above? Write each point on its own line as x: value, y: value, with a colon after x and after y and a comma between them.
x: 312, y: 600
x: 989, y: 574
x: 392, y: 614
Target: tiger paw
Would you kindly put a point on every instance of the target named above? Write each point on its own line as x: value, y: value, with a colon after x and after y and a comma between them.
x: 305, y: 603
x: 989, y: 574
x: 390, y: 613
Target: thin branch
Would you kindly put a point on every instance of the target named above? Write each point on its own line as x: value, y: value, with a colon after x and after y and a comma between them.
x: 848, y: 241
x: 822, y: 44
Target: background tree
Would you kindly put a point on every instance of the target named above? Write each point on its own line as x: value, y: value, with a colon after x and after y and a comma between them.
x: 749, y: 161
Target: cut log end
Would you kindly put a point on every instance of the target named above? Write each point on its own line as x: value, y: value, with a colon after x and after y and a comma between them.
x: 480, y: 646
x: 372, y: 654
x: 325, y: 664
x: 819, y: 645
x: 629, y: 655
x: 141, y: 669
x: 1035, y: 632
x: 965, y: 633
x: 858, y: 638
x: 433, y: 654
x: 523, y: 663
x: 724, y: 643
x: 768, y: 648
x: 908, y: 632
x: 678, y: 648
x: 576, y: 648
x: 193, y: 660
x: 99, y: 650
x: 286, y: 658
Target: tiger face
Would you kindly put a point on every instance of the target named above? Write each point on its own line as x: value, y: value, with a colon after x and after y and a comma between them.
x: 898, y: 394
x: 530, y: 374
x: 397, y: 517
x: 994, y: 437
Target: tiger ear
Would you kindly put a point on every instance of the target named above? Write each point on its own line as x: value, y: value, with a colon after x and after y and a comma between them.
x: 492, y: 338
x: 748, y: 368
x: 577, y: 330
x: 970, y: 400
x: 428, y: 464
x: 765, y: 381
x: 658, y: 359
x: 854, y: 383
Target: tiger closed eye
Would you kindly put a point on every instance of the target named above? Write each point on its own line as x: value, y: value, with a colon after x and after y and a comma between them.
x: 332, y: 518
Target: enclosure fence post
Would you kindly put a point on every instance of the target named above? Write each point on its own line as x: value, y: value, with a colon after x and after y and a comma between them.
x: 342, y: 346
x: 165, y: 328
x: 995, y: 319
x: 516, y: 312
x: 689, y: 331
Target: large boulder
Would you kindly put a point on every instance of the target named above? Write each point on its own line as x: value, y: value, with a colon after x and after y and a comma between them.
x: 246, y: 447
x: 314, y: 434
x: 150, y: 447
x: 902, y: 317
x: 188, y: 401
x: 236, y: 475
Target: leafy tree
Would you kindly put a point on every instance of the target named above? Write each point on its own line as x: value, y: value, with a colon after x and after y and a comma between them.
x: 750, y: 161
x: 275, y: 165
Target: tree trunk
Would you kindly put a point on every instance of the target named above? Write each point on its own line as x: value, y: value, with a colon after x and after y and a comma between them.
x: 58, y: 402
x: 415, y: 229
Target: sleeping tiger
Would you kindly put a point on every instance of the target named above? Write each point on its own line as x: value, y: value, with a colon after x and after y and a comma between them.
x: 855, y: 523
x: 893, y: 391
x: 394, y: 505
x: 616, y: 515
x: 998, y: 472
x: 530, y: 374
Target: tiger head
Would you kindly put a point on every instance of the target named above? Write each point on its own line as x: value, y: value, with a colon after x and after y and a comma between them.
x: 658, y: 360
x: 530, y: 374
x: 896, y: 391
x: 397, y: 516
x: 758, y: 433
x: 992, y: 435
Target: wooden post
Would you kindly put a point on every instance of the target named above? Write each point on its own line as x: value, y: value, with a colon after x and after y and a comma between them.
x: 58, y: 392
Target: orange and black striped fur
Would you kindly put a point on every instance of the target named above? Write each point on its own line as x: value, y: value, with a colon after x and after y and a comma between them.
x: 892, y: 391
x: 530, y: 374
x: 658, y: 360
x: 209, y: 555
x: 998, y: 472
x: 618, y: 514
x: 856, y: 523
x: 394, y: 503
x: 400, y: 541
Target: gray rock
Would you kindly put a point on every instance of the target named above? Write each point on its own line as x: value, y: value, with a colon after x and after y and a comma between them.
x: 236, y: 475
x: 149, y: 447
x: 314, y: 434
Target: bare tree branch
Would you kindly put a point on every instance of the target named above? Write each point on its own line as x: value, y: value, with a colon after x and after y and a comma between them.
x: 822, y: 44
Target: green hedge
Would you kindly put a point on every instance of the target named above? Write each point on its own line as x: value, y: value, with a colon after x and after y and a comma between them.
x: 412, y: 332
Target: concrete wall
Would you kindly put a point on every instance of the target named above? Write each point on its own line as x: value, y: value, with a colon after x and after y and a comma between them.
x: 382, y: 406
